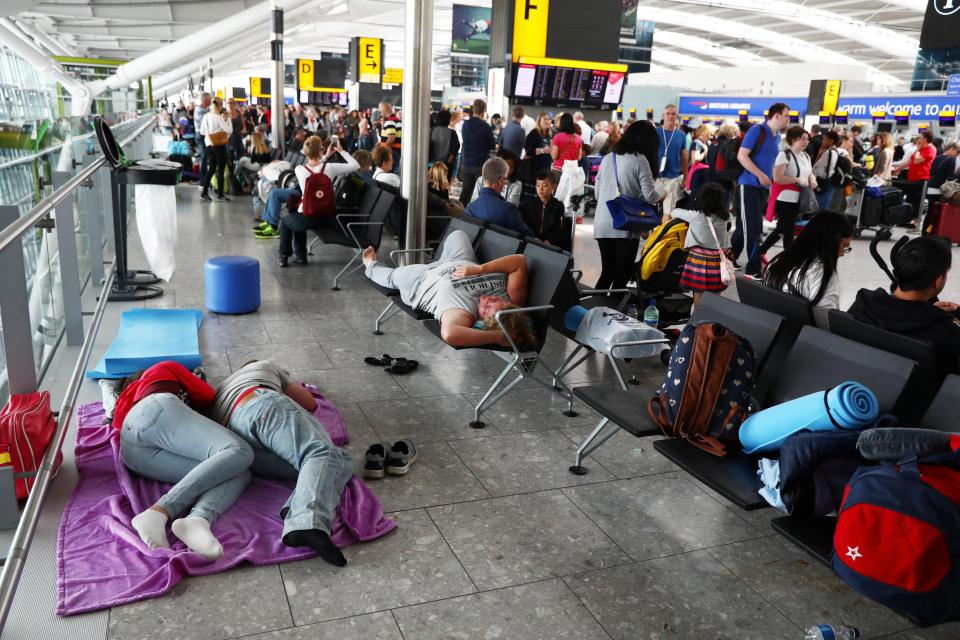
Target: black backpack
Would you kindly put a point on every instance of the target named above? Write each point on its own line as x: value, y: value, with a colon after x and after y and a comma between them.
x: 728, y: 151
x: 348, y: 191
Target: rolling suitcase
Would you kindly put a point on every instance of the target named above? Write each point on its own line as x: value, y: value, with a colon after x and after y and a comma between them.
x: 870, y: 212
x: 946, y: 221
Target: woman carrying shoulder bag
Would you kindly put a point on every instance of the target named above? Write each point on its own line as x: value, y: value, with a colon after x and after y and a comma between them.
x: 636, y: 168
x: 792, y: 174
x: 216, y: 130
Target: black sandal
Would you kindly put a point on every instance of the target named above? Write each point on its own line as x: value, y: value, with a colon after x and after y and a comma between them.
x: 401, y: 366
x: 384, y: 361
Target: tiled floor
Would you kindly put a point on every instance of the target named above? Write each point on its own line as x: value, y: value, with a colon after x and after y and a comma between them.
x: 495, y: 539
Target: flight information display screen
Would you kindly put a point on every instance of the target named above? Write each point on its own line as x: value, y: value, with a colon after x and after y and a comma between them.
x: 566, y: 86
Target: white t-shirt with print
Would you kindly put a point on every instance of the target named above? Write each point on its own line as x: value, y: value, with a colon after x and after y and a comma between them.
x: 798, y: 166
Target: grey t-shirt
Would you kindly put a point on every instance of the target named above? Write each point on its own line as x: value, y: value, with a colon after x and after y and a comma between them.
x: 261, y: 373
x: 439, y: 292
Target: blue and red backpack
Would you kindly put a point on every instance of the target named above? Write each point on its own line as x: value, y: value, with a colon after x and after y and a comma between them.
x: 897, y: 539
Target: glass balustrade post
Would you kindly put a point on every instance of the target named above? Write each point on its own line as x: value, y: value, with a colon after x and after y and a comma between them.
x: 15, y: 313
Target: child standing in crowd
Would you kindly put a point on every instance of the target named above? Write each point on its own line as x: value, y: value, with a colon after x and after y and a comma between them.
x: 707, y: 237
x: 545, y: 214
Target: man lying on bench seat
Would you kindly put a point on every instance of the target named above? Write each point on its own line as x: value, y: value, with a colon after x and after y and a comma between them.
x: 463, y: 295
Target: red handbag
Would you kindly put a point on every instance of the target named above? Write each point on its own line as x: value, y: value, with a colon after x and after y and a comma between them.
x: 26, y: 429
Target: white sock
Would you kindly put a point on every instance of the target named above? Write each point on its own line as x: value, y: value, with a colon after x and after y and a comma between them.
x: 151, y: 525
x: 195, y: 533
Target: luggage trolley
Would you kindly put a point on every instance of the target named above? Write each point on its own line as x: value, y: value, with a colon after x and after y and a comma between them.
x: 130, y: 284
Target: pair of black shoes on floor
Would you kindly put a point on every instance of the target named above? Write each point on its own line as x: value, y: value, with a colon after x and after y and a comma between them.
x: 399, y: 366
x: 394, y: 458
x: 206, y: 196
x: 284, y: 261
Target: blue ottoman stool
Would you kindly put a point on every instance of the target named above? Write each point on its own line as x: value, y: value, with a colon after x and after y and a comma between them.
x: 231, y: 284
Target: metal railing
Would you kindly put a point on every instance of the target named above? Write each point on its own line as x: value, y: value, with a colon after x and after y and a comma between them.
x: 10, y: 237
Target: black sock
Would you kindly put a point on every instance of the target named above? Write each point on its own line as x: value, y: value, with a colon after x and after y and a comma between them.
x: 319, y: 541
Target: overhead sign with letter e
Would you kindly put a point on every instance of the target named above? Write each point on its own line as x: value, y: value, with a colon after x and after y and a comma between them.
x: 530, y: 21
x: 369, y: 59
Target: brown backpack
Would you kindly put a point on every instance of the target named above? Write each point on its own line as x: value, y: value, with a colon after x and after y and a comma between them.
x: 706, y: 393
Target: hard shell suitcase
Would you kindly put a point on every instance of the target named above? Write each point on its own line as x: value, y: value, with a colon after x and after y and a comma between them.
x: 946, y: 221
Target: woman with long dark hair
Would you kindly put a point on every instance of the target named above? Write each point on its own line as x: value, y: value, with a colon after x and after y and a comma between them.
x: 808, y: 267
x: 634, y: 162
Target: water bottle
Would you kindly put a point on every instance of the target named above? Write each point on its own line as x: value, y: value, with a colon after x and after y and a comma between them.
x: 651, y: 315
x: 831, y: 632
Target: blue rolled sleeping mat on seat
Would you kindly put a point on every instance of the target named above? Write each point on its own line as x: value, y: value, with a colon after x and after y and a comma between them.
x: 849, y: 405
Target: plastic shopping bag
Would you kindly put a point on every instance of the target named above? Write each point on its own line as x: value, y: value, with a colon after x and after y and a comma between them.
x: 571, y: 183
x: 157, y: 224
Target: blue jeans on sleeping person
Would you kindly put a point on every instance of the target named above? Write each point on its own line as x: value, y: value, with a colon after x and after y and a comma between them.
x: 290, y: 444
x: 165, y: 440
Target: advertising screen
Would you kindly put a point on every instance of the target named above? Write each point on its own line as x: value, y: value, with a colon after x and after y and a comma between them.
x: 470, y: 31
x: 614, y: 90
x: 526, y: 75
x: 598, y: 82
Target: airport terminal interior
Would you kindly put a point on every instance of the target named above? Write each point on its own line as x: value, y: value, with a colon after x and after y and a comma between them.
x: 476, y: 319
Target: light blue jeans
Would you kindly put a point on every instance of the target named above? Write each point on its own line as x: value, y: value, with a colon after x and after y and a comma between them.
x: 289, y: 443
x: 163, y: 439
x: 276, y: 201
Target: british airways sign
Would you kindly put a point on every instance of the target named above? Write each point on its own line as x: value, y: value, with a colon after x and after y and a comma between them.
x: 919, y: 106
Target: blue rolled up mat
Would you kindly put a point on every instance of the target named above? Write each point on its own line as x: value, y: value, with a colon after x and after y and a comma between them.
x: 149, y: 336
x: 574, y: 316
x: 849, y: 405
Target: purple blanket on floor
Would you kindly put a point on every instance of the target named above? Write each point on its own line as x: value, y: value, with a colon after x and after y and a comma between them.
x: 101, y: 562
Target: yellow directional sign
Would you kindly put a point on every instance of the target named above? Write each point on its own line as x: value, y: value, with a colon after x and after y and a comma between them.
x: 256, y: 90
x: 392, y: 76
x: 530, y: 28
x: 831, y: 96
x: 305, y: 78
x: 369, y: 54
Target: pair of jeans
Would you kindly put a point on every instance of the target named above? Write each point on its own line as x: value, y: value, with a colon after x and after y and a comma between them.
x: 751, y: 205
x: 293, y: 232
x: 216, y: 158
x: 165, y: 440
x: 617, y: 262
x: 289, y: 443
x: 276, y: 201
x: 825, y: 197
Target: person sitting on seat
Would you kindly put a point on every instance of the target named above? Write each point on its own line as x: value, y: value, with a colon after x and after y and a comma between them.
x: 262, y: 404
x: 490, y: 205
x: 162, y: 437
x: 920, y: 269
x: 462, y: 294
x: 545, y: 214
x: 383, y: 161
x: 808, y: 267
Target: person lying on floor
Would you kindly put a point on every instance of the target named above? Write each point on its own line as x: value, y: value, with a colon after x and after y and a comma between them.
x: 462, y: 294
x: 164, y: 438
x: 272, y: 412
x: 920, y: 269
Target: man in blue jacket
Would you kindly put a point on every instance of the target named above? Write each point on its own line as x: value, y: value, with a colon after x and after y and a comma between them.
x: 478, y: 142
x: 490, y: 205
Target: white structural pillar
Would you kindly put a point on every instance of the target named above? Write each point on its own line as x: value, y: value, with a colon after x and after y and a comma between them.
x: 276, y: 90
x: 415, y: 140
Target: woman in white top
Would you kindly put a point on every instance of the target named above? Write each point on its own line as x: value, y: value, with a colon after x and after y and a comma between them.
x: 215, y: 129
x: 884, y: 167
x: 792, y: 172
x: 293, y: 227
x: 808, y: 267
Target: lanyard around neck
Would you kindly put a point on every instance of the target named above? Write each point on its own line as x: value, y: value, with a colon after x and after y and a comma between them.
x: 666, y: 144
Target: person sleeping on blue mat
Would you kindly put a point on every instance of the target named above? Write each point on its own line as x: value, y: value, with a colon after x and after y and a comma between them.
x: 272, y: 412
x: 164, y: 438
x: 463, y: 294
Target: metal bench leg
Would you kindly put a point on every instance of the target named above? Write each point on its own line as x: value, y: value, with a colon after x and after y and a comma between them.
x: 348, y: 269
x: 388, y: 313
x: 566, y: 367
x: 483, y: 405
x: 560, y: 387
x: 589, y: 446
x: 616, y: 370
x: 313, y: 242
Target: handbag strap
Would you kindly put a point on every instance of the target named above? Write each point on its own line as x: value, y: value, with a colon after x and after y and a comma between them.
x: 616, y: 173
x: 713, y: 231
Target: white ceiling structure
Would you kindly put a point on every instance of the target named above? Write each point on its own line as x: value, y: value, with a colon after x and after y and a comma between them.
x: 882, y: 35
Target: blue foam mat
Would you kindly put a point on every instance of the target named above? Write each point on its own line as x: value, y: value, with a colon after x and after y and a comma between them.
x: 149, y: 336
